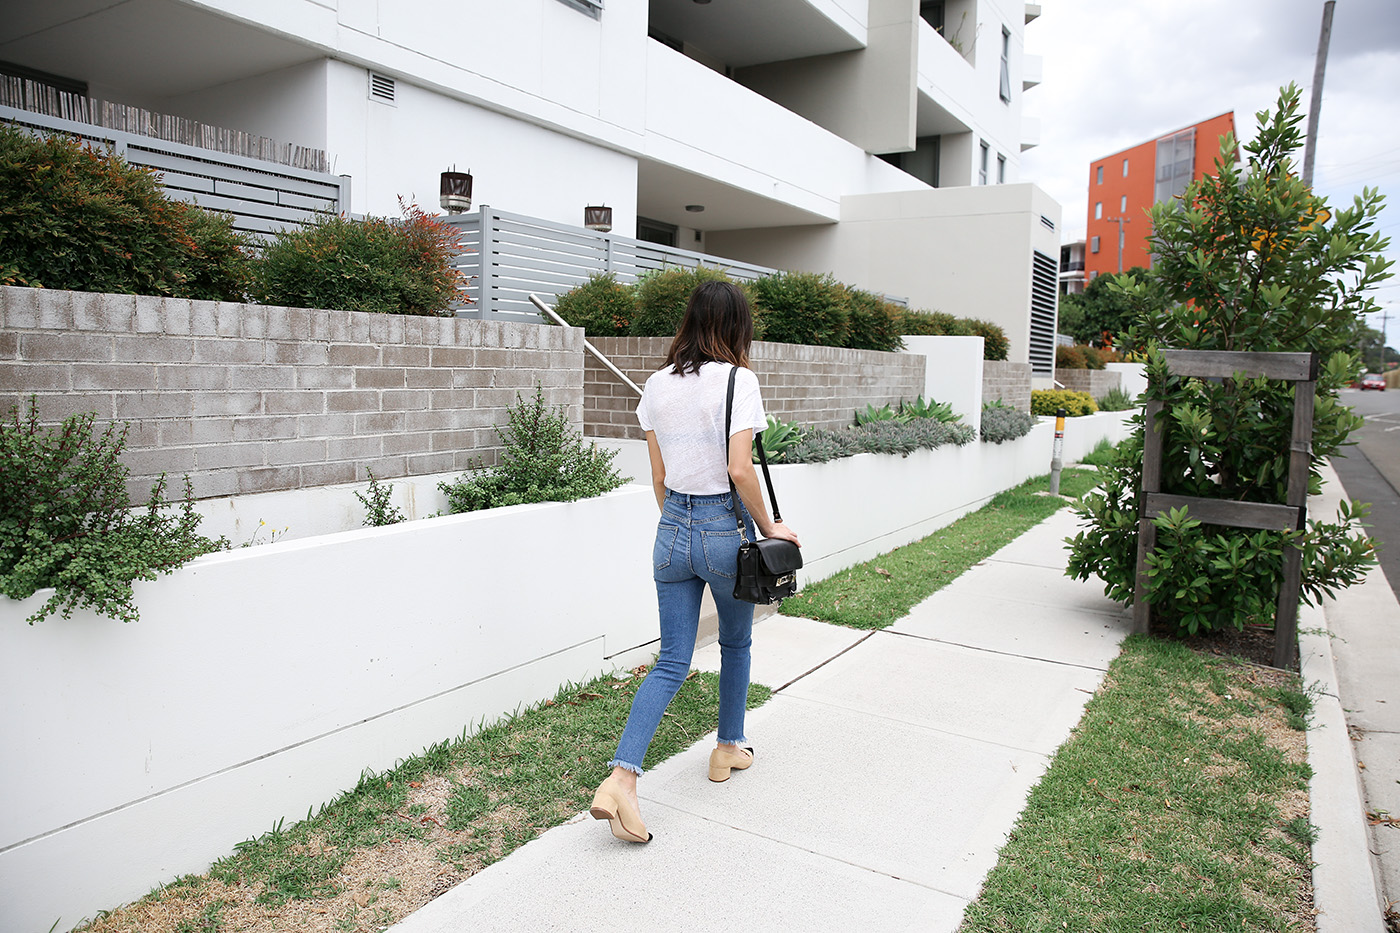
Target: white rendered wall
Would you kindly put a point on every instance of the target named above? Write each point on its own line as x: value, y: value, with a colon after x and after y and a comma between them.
x: 952, y: 373
x: 756, y: 145
x: 965, y: 251
x: 1132, y: 377
x: 400, y: 149
x: 288, y: 104
x: 260, y: 682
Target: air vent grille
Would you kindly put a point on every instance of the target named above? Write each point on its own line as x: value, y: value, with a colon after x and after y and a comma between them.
x: 1049, y: 224
x: 1044, y: 276
x: 381, y: 87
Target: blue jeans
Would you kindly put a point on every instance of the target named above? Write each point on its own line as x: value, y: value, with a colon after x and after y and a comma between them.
x: 697, y: 543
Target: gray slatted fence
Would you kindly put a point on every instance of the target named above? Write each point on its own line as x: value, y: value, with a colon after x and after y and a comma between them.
x: 517, y: 255
x: 262, y: 196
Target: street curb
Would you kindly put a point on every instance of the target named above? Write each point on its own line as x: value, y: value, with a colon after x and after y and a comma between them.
x: 1345, y: 893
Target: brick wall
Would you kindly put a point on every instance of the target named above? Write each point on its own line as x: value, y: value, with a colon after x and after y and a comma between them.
x: 1097, y: 382
x: 247, y: 398
x: 821, y: 386
x: 1010, y: 382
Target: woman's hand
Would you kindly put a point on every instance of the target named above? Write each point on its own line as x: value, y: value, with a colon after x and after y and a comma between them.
x: 781, y: 530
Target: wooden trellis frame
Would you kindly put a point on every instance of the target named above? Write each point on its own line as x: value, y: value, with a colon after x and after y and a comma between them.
x: 1298, y: 368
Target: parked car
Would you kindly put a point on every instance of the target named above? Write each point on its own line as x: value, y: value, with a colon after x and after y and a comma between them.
x: 1373, y: 381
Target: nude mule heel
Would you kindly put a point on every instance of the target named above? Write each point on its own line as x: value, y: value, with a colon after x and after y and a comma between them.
x: 723, y: 761
x: 611, y: 804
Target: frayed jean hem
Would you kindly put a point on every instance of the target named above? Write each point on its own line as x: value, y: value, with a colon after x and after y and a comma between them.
x: 626, y: 766
x: 739, y: 741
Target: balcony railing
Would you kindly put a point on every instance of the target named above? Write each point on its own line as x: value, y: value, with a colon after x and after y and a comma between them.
x: 266, y: 185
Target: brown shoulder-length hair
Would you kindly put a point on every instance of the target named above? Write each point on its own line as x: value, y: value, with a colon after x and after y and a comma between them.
x: 717, y: 327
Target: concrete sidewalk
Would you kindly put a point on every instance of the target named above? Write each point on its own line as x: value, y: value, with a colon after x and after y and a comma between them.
x: 954, y: 712
x: 890, y: 767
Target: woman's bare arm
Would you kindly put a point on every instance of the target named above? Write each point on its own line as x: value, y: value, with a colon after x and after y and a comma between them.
x: 658, y: 469
x: 746, y: 482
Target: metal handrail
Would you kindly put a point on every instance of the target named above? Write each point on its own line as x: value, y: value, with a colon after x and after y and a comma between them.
x: 550, y: 313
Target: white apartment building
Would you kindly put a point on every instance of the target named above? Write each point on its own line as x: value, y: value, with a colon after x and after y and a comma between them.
x: 878, y: 140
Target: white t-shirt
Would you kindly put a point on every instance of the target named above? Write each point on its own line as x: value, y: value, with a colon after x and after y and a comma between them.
x: 687, y: 414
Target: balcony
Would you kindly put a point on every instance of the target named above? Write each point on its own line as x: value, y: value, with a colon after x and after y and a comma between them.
x: 743, y: 34
x: 1030, y: 133
x: 713, y: 142
x: 1032, y: 67
x: 1032, y: 11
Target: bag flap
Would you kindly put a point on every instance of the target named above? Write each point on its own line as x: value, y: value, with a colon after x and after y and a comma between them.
x: 780, y: 556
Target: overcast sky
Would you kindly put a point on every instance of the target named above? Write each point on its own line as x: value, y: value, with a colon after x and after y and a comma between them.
x: 1120, y: 72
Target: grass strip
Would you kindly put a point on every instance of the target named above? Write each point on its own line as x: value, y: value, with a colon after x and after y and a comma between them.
x: 882, y: 590
x: 1179, y: 803
x: 402, y: 837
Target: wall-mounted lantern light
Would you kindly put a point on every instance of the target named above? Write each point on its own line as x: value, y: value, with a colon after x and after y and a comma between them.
x: 456, y: 191
x: 598, y: 218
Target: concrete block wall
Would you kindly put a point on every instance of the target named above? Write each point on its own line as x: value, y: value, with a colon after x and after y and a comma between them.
x: 1010, y: 382
x: 814, y: 386
x: 245, y: 398
x: 1097, y: 382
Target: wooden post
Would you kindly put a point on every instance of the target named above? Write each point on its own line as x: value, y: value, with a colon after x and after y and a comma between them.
x: 1299, y: 464
x: 1147, y: 532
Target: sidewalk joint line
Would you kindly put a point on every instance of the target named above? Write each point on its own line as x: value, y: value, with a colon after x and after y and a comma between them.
x: 823, y: 664
x: 1009, y: 654
x: 926, y: 727
x: 800, y: 848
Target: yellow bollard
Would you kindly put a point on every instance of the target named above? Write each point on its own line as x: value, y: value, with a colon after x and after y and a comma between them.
x: 1057, y: 461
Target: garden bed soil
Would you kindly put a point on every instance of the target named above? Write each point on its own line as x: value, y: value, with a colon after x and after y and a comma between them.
x: 1255, y: 643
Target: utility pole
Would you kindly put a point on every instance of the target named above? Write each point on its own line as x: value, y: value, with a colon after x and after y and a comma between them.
x: 1120, y: 221
x: 1323, y: 40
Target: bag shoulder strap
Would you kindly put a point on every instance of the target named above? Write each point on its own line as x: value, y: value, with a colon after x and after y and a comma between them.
x: 762, y: 459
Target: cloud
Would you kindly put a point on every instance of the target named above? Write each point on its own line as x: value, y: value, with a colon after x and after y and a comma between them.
x: 1117, y: 74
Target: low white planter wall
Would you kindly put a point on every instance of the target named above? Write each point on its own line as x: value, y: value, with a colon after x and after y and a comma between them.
x: 260, y: 682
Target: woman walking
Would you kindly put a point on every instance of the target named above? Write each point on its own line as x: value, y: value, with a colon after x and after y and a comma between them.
x: 697, y: 539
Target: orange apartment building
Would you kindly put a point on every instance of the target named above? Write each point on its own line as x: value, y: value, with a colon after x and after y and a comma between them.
x: 1125, y: 184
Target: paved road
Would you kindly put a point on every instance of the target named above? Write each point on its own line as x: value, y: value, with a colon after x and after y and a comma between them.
x: 1370, y: 471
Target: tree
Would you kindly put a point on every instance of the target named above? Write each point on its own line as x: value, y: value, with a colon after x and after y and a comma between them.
x: 1244, y: 263
x: 1100, y: 314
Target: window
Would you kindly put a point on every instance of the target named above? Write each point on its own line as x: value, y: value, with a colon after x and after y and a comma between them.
x: 982, y: 165
x: 932, y: 13
x: 1125, y: 168
x: 922, y: 163
x: 1098, y: 210
x: 656, y: 231
x: 1093, y: 274
x: 1098, y: 178
x: 1093, y: 244
x: 1123, y: 204
x: 1005, y: 65
x: 1001, y: 169
x: 1176, y: 162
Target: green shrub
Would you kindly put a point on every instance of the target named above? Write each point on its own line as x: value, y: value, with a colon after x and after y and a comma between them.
x: 873, y: 414
x: 66, y: 519
x: 80, y: 219
x: 544, y: 460
x: 933, y: 324
x: 662, y: 296
x: 995, y: 345
x: 778, y: 438
x: 1004, y: 423
x: 1070, y: 358
x: 377, y: 265
x: 938, y: 411
x: 1258, y: 262
x: 379, y: 506
x: 802, y: 307
x: 885, y: 437
x: 602, y: 306
x: 1075, y: 404
x: 1103, y: 453
x: 874, y: 322
x: 1116, y: 399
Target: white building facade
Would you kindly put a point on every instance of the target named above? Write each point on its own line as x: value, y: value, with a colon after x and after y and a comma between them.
x: 791, y: 133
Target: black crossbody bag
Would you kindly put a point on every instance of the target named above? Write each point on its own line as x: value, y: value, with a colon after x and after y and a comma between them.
x: 767, y: 571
